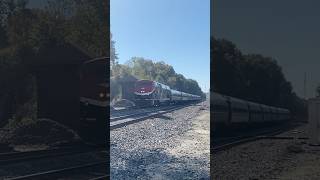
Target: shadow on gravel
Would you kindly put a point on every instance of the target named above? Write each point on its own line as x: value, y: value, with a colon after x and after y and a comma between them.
x: 157, y: 164
x: 161, y: 116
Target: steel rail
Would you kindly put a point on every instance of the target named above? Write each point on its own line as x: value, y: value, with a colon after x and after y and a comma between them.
x: 129, y: 120
x: 14, y: 157
x: 101, y: 177
x: 137, y: 113
x: 242, y: 140
x: 59, y: 171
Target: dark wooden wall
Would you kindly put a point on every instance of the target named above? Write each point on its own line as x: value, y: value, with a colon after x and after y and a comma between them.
x: 58, y: 94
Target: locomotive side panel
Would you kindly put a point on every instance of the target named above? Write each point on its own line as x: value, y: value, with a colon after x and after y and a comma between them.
x: 256, y: 114
x: 220, y: 109
x: 241, y: 111
x: 94, y: 101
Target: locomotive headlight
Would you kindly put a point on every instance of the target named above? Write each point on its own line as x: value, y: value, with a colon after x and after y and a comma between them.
x: 101, y: 95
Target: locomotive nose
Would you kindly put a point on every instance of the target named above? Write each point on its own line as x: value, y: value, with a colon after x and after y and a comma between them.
x: 142, y: 90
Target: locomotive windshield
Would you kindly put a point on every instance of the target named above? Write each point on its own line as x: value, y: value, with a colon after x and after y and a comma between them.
x: 93, y: 82
x: 144, y: 84
x: 95, y: 71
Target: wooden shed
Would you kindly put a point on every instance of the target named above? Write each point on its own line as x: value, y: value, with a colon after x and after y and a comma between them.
x: 126, y: 85
x: 58, y: 83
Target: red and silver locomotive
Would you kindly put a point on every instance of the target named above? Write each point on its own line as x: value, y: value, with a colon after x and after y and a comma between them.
x: 152, y: 93
x: 94, y: 99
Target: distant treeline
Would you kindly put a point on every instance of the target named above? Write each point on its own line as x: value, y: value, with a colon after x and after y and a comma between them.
x: 141, y: 68
x: 26, y: 32
x: 252, y: 77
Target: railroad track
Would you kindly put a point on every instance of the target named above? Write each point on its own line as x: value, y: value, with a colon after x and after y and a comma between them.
x: 120, y: 112
x: 15, y: 157
x: 114, y: 117
x: 101, y: 177
x: 92, y: 171
x: 229, y: 142
x: 75, y: 170
x: 120, y: 121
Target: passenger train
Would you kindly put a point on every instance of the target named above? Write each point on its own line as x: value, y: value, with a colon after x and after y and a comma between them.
x: 229, y: 111
x: 152, y: 93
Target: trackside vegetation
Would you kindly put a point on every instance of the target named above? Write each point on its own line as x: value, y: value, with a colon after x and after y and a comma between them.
x: 252, y: 77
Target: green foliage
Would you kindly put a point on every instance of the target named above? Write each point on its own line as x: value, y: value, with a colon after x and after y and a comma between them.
x: 3, y: 37
x: 113, y: 54
x: 9, y: 8
x: 82, y: 23
x: 115, y: 90
x: 252, y: 77
x: 10, y: 62
x: 226, y: 71
x: 89, y: 27
x: 19, y: 27
x: 17, y: 85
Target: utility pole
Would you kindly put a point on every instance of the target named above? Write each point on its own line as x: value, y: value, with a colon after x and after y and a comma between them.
x: 305, y: 85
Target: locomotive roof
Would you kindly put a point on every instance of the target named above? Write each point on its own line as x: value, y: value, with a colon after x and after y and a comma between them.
x: 218, y: 96
x: 168, y: 87
x: 96, y: 60
x: 62, y: 54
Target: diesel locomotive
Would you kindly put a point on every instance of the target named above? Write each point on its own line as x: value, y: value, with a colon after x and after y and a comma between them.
x: 152, y: 93
x: 94, y: 100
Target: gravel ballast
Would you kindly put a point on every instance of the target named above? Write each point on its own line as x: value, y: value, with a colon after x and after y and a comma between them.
x: 171, y: 146
x: 269, y: 159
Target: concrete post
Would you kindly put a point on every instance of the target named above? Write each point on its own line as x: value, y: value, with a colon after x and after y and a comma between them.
x: 314, y: 121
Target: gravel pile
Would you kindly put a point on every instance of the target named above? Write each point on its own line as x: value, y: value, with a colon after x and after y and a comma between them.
x: 36, y: 134
x: 140, y: 150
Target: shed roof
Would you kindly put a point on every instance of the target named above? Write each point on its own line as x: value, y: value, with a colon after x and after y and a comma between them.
x: 62, y: 54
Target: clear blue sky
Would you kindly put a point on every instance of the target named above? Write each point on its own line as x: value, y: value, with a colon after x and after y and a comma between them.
x: 174, y: 31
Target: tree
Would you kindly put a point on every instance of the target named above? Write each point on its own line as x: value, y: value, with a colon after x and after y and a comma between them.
x: 158, y: 71
x: 83, y: 23
x: 15, y: 22
x: 91, y: 28
x: 226, y: 70
x: 113, y: 54
x: 253, y: 77
x: 3, y: 37
x: 9, y: 7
